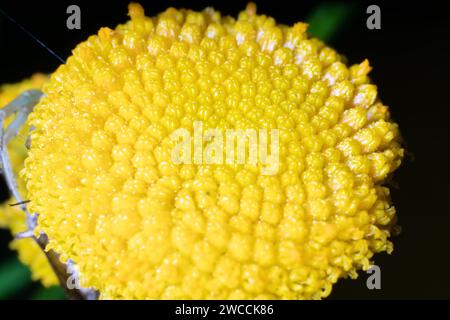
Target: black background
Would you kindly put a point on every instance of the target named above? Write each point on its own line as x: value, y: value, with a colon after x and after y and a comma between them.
x: 410, y: 56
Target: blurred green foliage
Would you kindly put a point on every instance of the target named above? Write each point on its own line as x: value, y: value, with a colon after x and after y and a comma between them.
x: 327, y: 19
x: 14, y: 276
x: 52, y: 293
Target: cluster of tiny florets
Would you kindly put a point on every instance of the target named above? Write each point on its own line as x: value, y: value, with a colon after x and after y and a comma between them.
x: 137, y: 225
x: 12, y: 217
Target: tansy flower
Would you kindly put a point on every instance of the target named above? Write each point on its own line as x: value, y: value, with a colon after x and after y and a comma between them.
x: 11, y: 216
x: 139, y: 226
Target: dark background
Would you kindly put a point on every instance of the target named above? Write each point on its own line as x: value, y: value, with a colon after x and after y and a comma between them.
x: 410, y: 56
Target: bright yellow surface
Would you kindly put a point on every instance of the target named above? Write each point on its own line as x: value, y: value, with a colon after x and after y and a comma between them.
x: 12, y: 217
x: 100, y: 172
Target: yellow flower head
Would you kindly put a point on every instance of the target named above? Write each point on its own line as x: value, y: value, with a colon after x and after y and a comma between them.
x: 138, y: 225
x: 12, y: 217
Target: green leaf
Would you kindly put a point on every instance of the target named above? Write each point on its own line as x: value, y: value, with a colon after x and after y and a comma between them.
x: 327, y: 19
x: 52, y: 293
x: 14, y: 276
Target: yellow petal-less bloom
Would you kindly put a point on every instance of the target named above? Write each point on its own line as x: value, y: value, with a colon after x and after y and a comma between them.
x: 12, y: 217
x: 100, y: 173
